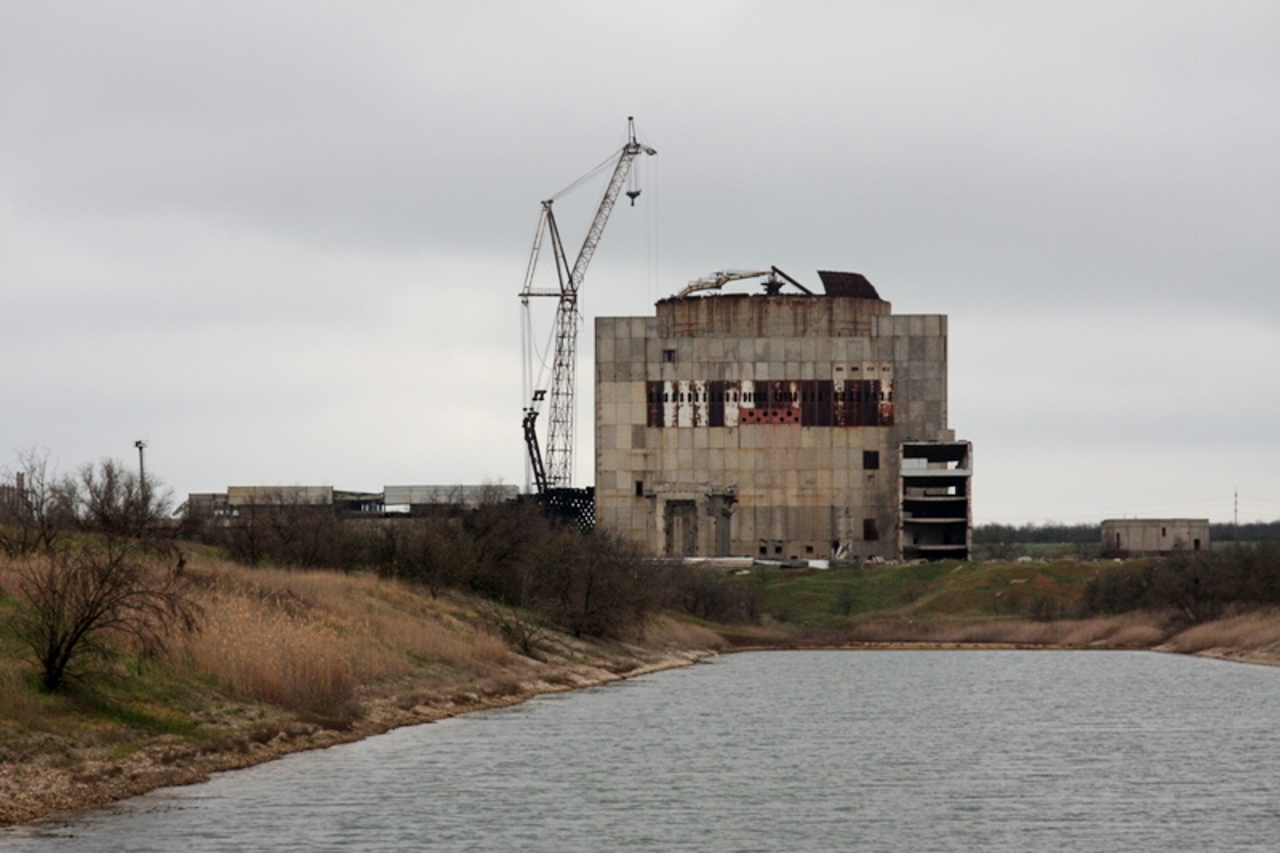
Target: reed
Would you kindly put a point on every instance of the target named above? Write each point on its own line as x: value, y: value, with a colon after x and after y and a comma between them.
x: 305, y: 640
x: 665, y: 632
x: 1243, y: 631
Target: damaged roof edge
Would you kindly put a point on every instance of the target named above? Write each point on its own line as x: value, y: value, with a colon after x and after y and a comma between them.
x: 847, y: 284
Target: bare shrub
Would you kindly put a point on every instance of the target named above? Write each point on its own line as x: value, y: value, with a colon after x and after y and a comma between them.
x: 1046, y: 608
x: 846, y: 599
x: 1195, y: 587
x: 433, y: 552
x: 520, y: 628
x: 708, y: 594
x: 77, y: 600
x: 593, y: 585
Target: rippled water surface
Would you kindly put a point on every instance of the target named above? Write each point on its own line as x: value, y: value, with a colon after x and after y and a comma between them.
x: 776, y: 751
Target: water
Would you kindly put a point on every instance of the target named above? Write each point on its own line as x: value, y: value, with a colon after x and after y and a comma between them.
x: 776, y: 751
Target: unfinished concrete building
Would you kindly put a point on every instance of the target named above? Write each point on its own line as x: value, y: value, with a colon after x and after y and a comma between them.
x: 1134, y: 537
x: 780, y: 426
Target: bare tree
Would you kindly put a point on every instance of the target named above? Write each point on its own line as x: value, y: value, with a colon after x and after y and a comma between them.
x: 78, y: 599
x: 594, y: 584
x: 433, y: 552
x: 113, y: 499
x: 36, y: 505
x: 521, y: 628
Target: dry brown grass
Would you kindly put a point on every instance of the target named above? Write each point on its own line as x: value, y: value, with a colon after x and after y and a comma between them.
x: 1249, y: 631
x: 306, y: 640
x: 665, y: 632
x: 1004, y: 633
x: 1137, y: 630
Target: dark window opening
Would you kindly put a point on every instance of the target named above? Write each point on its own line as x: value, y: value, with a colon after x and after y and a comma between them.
x: 808, y: 549
x: 764, y: 550
x: 777, y: 549
x: 668, y: 355
x: 639, y: 488
x: 870, y: 530
x: 871, y: 460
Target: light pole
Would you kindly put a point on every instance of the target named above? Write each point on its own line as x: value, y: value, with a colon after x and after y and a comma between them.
x: 142, y: 475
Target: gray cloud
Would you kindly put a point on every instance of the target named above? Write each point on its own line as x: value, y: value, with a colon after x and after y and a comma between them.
x: 282, y: 240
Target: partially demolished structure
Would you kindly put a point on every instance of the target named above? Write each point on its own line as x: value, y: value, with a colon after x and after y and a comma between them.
x: 782, y: 426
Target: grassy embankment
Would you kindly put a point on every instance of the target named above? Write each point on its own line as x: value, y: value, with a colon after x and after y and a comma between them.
x: 291, y: 660
x: 286, y: 660
x: 1019, y: 604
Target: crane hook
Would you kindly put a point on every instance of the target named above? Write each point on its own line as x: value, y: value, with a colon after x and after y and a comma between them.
x: 632, y: 194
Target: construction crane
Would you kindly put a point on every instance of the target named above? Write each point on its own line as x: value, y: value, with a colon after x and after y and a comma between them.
x: 557, y: 473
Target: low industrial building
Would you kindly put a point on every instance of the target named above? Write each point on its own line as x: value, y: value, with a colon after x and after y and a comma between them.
x: 412, y: 500
x: 1135, y: 537
x: 801, y: 426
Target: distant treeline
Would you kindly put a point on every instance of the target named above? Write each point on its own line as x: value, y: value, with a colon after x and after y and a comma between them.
x: 994, y: 534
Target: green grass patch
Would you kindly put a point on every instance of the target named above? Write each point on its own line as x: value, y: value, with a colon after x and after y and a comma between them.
x: 945, y: 591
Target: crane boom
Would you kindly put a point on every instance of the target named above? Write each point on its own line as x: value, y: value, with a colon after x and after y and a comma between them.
x: 560, y: 421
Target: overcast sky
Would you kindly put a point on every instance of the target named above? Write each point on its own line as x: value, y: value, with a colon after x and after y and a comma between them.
x: 282, y: 242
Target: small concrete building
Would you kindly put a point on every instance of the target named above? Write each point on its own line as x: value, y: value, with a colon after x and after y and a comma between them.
x: 1133, y: 537
x: 780, y: 426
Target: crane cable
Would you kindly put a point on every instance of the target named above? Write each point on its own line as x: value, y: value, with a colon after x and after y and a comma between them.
x: 608, y: 161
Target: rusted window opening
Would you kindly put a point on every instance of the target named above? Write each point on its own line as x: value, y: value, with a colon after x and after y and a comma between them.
x: 870, y: 530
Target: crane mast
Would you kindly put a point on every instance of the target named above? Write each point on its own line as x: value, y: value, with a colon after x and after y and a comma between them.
x: 558, y: 469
